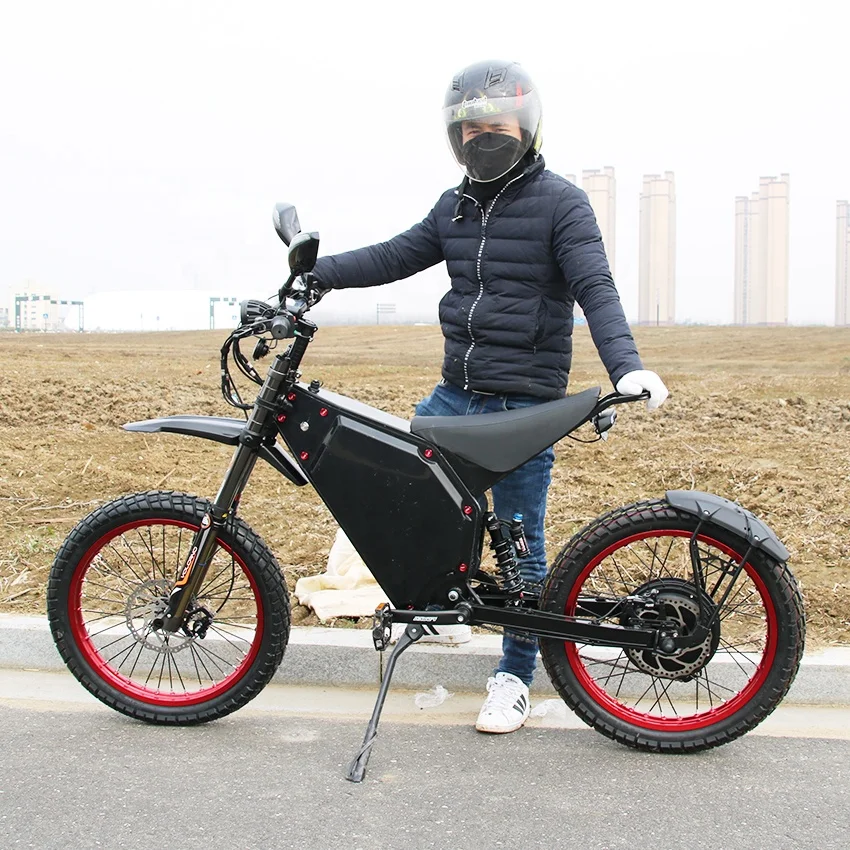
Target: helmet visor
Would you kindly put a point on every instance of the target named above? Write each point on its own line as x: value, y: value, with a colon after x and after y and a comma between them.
x: 488, y: 119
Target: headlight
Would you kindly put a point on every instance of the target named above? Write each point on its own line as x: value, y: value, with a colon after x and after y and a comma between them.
x: 250, y: 311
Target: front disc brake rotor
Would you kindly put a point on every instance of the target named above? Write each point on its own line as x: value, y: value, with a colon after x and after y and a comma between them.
x: 146, y: 604
x: 676, y: 607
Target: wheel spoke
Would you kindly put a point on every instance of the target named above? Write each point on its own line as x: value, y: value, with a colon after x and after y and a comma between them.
x: 618, y: 568
x: 650, y: 574
x: 738, y: 607
x: 148, y: 544
x: 132, y: 549
x: 104, y: 615
x: 614, y: 667
x: 91, y: 583
x: 733, y: 653
x: 197, y: 654
x: 138, y: 656
x: 177, y: 671
x: 162, y: 666
x: 224, y: 635
x: 209, y: 588
x: 213, y: 657
x: 98, y: 568
x: 666, y: 554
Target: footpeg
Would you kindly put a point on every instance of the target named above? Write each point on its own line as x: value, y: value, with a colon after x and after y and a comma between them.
x: 382, y: 621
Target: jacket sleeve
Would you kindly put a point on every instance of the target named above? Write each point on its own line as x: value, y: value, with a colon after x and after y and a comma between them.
x: 410, y: 252
x: 578, y: 249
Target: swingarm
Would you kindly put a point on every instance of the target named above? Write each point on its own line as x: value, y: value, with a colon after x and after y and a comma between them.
x: 540, y: 623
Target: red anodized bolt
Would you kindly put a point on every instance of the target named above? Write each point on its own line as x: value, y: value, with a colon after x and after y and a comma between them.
x: 429, y: 453
x: 323, y: 412
x: 467, y: 509
x: 462, y: 568
x: 281, y: 417
x: 304, y: 455
x: 291, y: 397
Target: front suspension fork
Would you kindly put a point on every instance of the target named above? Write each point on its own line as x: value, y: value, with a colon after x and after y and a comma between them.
x: 194, y: 568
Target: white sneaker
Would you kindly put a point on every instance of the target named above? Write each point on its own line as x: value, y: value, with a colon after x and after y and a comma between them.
x: 436, y: 634
x: 507, y: 705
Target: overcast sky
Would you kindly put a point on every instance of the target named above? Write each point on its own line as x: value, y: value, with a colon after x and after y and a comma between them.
x: 143, y: 145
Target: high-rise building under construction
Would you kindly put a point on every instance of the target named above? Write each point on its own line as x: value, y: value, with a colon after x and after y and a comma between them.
x: 657, y: 276
x: 761, y: 254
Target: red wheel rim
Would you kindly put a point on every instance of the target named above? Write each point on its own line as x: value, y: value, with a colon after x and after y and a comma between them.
x: 675, y: 723
x: 107, y: 672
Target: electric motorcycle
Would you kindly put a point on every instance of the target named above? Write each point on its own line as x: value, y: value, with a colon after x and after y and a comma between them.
x: 670, y: 625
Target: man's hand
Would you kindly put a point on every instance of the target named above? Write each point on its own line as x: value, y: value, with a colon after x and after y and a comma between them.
x: 315, y: 290
x: 634, y: 383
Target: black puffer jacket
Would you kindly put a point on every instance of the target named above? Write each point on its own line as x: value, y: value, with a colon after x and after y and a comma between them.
x: 516, y: 271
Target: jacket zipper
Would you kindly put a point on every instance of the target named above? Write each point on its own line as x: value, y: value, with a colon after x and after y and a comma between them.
x: 484, y: 218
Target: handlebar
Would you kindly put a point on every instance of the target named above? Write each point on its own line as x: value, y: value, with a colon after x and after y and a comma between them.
x: 282, y: 326
x: 611, y: 399
x: 603, y: 418
x: 258, y: 317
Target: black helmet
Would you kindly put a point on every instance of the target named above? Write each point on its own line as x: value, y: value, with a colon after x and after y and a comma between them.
x: 497, y: 99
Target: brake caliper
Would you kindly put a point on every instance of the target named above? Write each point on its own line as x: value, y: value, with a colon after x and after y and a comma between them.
x: 198, y: 621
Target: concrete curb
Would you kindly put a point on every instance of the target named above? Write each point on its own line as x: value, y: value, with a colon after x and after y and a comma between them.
x: 346, y: 658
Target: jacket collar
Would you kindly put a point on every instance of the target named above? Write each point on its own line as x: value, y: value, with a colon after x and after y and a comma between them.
x: 531, y: 170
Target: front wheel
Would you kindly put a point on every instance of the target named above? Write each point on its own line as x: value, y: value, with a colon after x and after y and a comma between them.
x: 107, y: 591
x: 699, y: 697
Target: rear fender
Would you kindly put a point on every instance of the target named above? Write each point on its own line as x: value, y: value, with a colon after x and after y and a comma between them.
x: 730, y: 516
x: 221, y: 429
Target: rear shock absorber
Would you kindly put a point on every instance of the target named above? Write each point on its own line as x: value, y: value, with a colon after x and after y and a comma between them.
x: 502, y: 545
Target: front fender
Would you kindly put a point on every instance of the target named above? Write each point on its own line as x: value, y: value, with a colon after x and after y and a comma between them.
x: 221, y: 429
x: 730, y: 516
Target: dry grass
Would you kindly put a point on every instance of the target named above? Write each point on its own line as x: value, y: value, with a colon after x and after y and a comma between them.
x: 758, y: 415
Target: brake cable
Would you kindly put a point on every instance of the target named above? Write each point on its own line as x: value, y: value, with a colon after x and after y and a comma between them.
x: 229, y: 390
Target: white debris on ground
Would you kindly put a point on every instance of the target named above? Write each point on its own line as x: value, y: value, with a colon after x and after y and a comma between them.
x: 431, y: 699
x: 554, y: 706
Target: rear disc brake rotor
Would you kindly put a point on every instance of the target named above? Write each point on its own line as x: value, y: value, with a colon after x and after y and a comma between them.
x: 676, y: 606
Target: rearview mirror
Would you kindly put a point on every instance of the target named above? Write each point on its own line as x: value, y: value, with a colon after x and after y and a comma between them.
x: 286, y: 222
x: 303, y: 252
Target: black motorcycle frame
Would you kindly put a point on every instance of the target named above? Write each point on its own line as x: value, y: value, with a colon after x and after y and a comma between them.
x: 365, y: 465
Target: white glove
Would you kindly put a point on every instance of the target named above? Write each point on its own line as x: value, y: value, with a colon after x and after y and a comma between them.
x: 634, y: 383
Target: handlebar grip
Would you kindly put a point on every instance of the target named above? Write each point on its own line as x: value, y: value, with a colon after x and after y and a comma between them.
x: 281, y: 327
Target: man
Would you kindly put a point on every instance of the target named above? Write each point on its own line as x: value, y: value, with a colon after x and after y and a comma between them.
x: 521, y: 246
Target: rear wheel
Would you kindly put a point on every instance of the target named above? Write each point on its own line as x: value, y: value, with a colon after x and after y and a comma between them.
x: 702, y: 696
x: 108, y: 589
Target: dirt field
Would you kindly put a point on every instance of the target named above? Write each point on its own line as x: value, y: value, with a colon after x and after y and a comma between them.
x: 757, y: 415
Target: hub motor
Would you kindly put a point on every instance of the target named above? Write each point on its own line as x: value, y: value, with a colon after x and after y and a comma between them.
x: 674, y: 604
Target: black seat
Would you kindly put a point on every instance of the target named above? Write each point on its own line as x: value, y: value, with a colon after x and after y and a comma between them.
x: 500, y: 442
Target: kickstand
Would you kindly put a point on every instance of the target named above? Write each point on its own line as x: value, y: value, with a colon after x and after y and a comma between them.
x: 357, y: 770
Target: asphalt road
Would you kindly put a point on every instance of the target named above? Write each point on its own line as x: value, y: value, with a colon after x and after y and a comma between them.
x: 73, y: 774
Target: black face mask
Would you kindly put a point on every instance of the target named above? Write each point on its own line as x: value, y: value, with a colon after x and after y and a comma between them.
x: 490, y: 155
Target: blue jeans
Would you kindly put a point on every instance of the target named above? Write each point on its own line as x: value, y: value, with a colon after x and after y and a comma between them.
x: 523, y: 491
